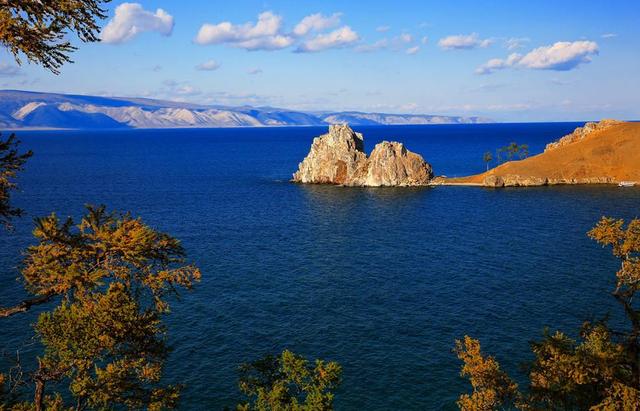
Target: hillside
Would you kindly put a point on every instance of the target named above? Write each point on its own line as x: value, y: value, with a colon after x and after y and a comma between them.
x: 607, y: 152
x: 20, y: 109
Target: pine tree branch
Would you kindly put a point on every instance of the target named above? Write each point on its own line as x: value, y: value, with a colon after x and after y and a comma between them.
x: 25, y: 305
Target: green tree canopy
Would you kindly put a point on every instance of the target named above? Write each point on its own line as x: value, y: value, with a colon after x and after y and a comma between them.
x: 512, y: 151
x: 288, y: 383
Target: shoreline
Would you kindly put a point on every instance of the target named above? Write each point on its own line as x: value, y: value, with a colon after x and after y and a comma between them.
x: 470, y: 184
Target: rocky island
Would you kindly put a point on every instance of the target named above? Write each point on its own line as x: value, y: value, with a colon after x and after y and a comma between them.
x: 338, y: 157
x: 607, y: 152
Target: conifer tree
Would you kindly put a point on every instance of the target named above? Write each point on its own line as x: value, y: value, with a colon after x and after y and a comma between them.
x: 598, y: 371
x: 39, y: 30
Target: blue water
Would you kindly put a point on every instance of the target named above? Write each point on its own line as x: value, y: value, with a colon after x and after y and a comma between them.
x: 381, y: 280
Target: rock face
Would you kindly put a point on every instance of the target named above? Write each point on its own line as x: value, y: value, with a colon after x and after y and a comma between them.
x: 581, y: 132
x: 391, y: 164
x: 335, y: 158
x: 515, y: 180
x: 338, y: 157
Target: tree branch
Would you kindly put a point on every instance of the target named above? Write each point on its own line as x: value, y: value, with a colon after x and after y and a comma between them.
x: 25, y: 305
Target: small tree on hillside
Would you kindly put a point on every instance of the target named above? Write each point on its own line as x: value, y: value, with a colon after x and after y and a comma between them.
x: 487, y: 158
x: 599, y: 371
x: 511, y: 151
x: 523, y: 151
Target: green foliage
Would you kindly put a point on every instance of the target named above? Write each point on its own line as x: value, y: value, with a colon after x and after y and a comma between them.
x: 290, y: 383
x: 106, y: 339
x: 512, y: 151
x: 10, y: 163
x: 72, y: 261
x: 39, y: 29
x: 599, y: 371
x: 111, y: 350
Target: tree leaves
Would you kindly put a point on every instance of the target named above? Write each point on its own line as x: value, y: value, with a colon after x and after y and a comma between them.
x: 288, y: 382
x: 38, y: 29
x: 10, y: 163
x: 106, y: 338
x: 492, y: 387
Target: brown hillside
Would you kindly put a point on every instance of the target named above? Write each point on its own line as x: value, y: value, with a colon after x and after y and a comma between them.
x: 608, y: 154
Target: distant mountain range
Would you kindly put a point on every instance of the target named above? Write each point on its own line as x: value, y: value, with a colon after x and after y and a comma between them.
x: 22, y: 109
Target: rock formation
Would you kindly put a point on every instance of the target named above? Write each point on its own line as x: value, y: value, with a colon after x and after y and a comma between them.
x: 391, y: 164
x: 598, y: 153
x: 335, y: 158
x: 581, y: 132
x: 338, y: 157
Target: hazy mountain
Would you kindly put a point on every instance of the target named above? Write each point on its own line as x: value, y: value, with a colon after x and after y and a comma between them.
x: 32, y: 109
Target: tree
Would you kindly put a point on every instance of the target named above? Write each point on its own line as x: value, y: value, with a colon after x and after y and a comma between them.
x: 487, y: 158
x: 106, y: 339
x: 10, y: 163
x: 38, y: 29
x: 112, y: 273
x: 511, y: 151
x: 492, y: 387
x: 523, y: 151
x: 599, y: 371
x: 288, y: 382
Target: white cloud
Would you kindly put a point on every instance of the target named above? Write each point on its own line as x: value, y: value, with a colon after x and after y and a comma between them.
x: 425, y: 40
x: 342, y: 37
x: 406, y: 38
x: 9, y: 70
x: 609, y: 35
x: 265, y: 34
x: 131, y: 19
x: 316, y: 22
x: 464, y: 42
x: 173, y: 88
x: 378, y: 45
x: 561, y: 56
x: 187, y: 90
x: 499, y: 64
x: 398, y: 43
x: 383, y: 29
x: 254, y: 71
x: 412, y: 50
x: 516, y: 42
x: 209, y: 65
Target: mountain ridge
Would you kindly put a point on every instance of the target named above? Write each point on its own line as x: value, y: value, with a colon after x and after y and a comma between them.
x: 33, y: 109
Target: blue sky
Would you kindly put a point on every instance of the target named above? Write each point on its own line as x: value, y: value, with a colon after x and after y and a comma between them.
x: 510, y: 61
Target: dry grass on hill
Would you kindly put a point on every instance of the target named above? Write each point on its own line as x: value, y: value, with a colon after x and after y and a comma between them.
x: 611, y: 154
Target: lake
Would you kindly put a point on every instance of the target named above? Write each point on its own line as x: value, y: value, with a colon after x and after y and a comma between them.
x: 382, y: 280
